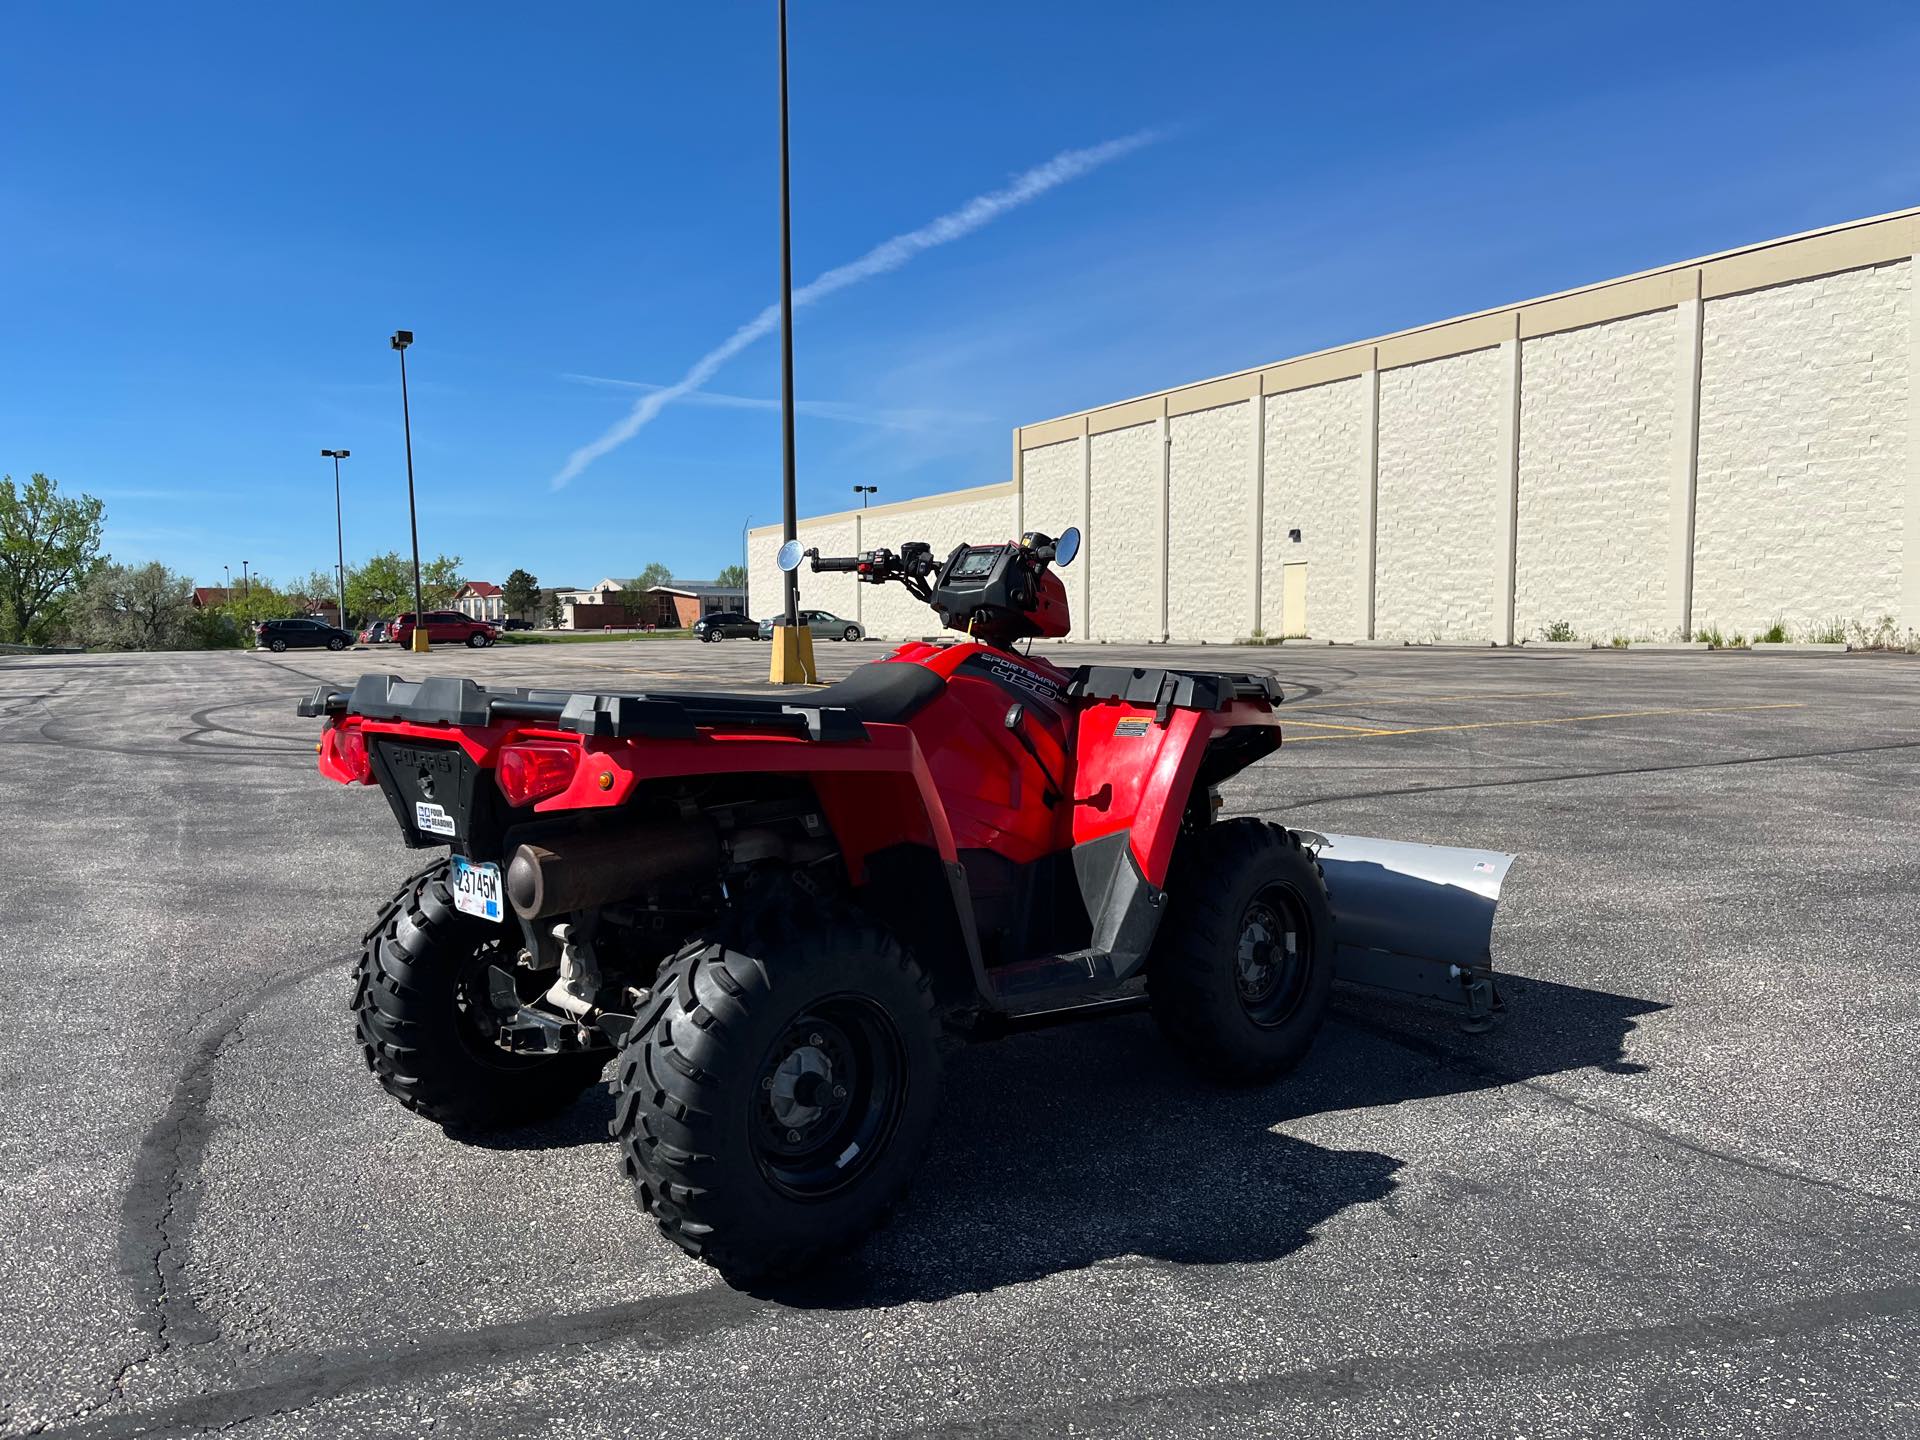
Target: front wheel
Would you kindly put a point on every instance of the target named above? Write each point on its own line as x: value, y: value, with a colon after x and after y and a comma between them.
x: 1243, y: 964
x: 853, y: 633
x: 776, y: 1098
x: 336, y: 643
x: 476, y: 641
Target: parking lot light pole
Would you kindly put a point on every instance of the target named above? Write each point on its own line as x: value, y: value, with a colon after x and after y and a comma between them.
x: 339, y: 536
x: 863, y: 491
x: 792, y: 659
x: 418, y: 644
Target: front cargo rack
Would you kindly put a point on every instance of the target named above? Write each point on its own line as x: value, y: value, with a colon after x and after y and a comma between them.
x: 451, y: 700
x: 1168, y: 690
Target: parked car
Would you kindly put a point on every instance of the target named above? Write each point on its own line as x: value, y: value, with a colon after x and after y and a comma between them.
x: 445, y: 627
x: 516, y: 624
x: 375, y: 633
x: 726, y: 625
x: 823, y: 623
x: 277, y: 635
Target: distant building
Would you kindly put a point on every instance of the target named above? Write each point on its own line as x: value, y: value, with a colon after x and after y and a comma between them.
x: 676, y: 606
x: 481, y: 600
x: 590, y: 608
x: 207, y: 597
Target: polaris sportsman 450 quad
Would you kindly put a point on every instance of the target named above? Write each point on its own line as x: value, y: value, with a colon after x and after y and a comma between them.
x: 774, y: 915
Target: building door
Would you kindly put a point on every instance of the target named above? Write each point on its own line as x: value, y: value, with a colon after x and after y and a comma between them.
x: 1293, y: 601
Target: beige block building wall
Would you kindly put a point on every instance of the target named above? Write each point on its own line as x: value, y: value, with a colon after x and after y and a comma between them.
x: 1726, y: 442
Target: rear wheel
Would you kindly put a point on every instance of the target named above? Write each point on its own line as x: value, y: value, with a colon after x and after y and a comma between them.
x: 277, y: 646
x: 1242, y: 967
x: 774, y: 1099
x: 420, y: 1007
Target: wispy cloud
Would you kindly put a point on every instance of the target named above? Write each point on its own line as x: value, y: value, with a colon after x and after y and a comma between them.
x: 846, y: 412
x: 883, y: 258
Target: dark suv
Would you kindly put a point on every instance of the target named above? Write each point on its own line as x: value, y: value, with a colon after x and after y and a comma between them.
x: 292, y: 634
x: 726, y: 625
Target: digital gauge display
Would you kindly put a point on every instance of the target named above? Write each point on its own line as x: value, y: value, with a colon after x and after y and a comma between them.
x: 974, y: 563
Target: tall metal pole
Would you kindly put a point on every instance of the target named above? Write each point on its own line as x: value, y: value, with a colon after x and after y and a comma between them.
x: 790, y: 510
x: 413, y: 520
x: 340, y: 542
x: 746, y: 581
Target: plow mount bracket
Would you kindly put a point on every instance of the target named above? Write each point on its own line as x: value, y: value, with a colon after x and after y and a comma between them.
x: 1414, y: 918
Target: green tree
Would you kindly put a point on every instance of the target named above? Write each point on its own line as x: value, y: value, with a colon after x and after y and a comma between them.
x: 144, y: 607
x: 381, y: 587
x: 553, y: 609
x: 48, y: 545
x: 320, y: 588
x: 654, y: 574
x: 259, y: 599
x: 440, y: 581
x: 521, y: 593
x: 734, y: 577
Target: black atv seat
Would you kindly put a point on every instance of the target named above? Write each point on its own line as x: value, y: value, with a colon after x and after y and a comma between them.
x: 887, y: 692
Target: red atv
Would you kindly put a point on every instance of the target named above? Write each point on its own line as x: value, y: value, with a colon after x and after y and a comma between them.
x: 774, y: 914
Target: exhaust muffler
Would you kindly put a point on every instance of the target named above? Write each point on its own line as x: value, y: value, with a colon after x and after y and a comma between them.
x: 594, y: 868
x: 1415, y: 918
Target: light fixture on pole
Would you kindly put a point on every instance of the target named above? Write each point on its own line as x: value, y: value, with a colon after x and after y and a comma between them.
x: 865, y: 490
x: 400, y: 341
x: 792, y: 660
x: 339, y: 536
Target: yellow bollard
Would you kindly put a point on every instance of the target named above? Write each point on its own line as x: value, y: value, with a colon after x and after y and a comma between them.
x: 792, y: 656
x: 417, y: 642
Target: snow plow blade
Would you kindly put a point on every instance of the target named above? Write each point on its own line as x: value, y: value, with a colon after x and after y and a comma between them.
x: 1415, y: 918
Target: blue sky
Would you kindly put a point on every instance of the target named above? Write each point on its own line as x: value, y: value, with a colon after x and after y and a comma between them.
x: 212, y: 216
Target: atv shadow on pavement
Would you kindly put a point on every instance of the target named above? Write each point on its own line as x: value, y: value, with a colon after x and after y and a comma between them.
x: 1093, y: 1147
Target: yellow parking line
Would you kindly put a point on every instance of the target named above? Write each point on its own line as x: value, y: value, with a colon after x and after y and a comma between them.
x: 1405, y: 699
x: 1554, y: 720
x: 1327, y: 725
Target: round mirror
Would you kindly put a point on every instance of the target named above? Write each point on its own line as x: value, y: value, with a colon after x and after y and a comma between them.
x: 1067, y: 546
x: 790, y: 556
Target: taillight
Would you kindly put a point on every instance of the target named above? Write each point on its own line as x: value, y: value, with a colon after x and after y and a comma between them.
x: 350, y: 749
x: 534, y: 770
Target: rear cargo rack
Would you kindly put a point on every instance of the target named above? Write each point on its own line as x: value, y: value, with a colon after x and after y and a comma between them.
x: 450, y: 700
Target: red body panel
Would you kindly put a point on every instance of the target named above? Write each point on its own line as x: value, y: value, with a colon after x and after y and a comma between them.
x: 954, y: 777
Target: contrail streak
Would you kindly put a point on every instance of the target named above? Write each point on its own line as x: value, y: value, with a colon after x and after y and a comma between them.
x: 885, y: 257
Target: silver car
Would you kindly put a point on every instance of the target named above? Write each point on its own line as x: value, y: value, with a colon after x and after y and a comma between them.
x: 824, y: 624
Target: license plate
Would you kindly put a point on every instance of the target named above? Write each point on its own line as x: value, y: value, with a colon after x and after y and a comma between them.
x: 476, y: 888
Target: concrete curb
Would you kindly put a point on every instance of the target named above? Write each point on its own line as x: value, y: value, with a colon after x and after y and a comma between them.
x: 1557, y: 645
x: 1661, y: 645
x: 1801, y: 647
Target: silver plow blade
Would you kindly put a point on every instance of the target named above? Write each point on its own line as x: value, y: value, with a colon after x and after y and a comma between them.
x: 1414, y: 918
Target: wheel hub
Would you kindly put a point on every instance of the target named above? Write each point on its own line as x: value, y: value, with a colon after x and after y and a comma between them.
x: 829, y: 1094
x: 802, y: 1083
x: 1270, y: 967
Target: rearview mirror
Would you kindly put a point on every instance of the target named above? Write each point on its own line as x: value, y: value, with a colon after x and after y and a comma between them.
x: 790, y: 556
x: 1067, y: 546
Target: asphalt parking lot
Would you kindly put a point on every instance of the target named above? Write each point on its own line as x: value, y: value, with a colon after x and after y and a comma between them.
x: 1675, y: 1193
